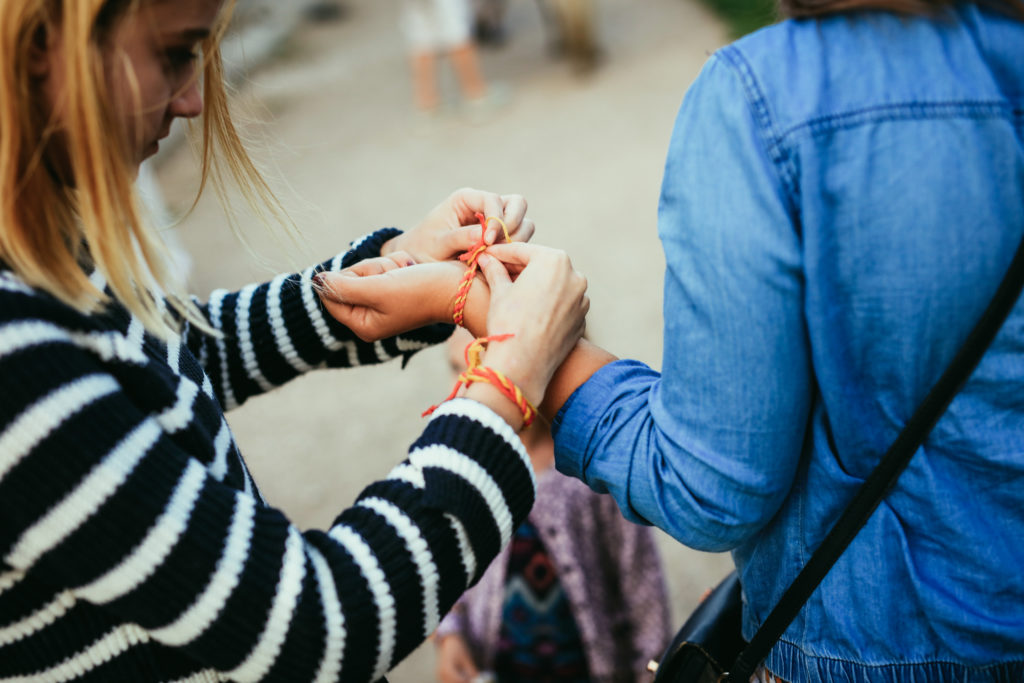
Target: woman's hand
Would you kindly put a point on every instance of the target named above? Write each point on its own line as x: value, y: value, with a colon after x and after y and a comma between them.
x: 452, y: 227
x: 545, y: 309
x: 454, y: 662
x: 377, y: 298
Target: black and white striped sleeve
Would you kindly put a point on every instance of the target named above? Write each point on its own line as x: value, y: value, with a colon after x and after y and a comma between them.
x: 275, y: 331
x: 136, y: 538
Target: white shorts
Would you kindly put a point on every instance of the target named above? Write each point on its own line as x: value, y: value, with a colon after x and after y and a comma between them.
x: 433, y: 25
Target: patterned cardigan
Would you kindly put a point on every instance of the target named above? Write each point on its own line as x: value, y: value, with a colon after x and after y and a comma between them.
x: 610, y: 570
x: 134, y: 545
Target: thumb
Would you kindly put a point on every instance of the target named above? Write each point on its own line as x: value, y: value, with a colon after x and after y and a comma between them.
x: 462, y: 239
x: 346, y: 288
x: 494, y: 272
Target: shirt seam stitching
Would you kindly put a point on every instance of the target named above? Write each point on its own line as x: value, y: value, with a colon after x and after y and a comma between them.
x: 909, y: 110
x: 758, y: 102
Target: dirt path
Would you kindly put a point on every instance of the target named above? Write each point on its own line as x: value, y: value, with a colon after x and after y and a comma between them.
x: 340, y: 134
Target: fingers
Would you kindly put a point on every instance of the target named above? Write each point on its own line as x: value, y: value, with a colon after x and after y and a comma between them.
x: 493, y: 207
x: 352, y: 317
x: 461, y: 240
x: 324, y: 282
x: 454, y: 663
x: 400, y: 258
x: 514, y: 215
x: 467, y: 202
x: 376, y: 266
x: 511, y: 209
x: 494, y: 272
x: 352, y: 287
x: 525, y: 231
x: 517, y: 253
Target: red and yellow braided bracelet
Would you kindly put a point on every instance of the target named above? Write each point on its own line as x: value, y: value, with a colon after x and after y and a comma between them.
x: 475, y: 372
x: 470, y: 258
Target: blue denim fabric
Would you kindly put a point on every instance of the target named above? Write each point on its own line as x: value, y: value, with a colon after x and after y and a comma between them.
x: 841, y: 199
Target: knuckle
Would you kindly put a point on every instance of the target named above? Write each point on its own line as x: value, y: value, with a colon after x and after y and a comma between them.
x: 561, y: 258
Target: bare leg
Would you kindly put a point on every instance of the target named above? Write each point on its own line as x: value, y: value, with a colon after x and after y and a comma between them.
x: 467, y: 70
x: 424, y: 73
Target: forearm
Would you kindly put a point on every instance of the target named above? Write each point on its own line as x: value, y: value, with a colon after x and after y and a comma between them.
x: 582, y: 362
x: 357, y: 598
x: 273, y: 332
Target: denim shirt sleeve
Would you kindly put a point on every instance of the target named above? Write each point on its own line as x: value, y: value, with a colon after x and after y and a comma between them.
x: 708, y: 449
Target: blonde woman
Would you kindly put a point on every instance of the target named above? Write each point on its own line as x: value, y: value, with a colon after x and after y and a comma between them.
x: 134, y: 545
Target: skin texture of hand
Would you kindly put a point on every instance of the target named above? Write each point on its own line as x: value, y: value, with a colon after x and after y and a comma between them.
x: 379, y: 298
x: 454, y: 662
x: 452, y: 228
x: 545, y: 309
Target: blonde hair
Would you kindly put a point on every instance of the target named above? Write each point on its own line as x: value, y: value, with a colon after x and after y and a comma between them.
x: 53, y: 232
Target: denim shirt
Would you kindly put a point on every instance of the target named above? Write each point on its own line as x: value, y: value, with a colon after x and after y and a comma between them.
x: 841, y: 199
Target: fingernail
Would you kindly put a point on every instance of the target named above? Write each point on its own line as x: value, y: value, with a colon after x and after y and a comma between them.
x: 324, y: 289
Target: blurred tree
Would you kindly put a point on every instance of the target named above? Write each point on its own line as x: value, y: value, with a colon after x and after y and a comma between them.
x: 745, y: 16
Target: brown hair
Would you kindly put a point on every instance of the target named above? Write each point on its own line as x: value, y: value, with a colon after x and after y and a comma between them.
x: 52, y: 233
x: 819, y: 8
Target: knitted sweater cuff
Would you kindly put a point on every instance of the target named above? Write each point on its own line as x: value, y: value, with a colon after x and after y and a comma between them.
x: 490, y: 488
x: 407, y: 343
x: 368, y: 246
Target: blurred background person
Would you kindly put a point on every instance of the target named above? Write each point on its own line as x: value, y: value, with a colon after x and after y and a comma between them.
x: 569, y: 27
x: 442, y: 27
x: 579, y: 595
x: 489, y: 22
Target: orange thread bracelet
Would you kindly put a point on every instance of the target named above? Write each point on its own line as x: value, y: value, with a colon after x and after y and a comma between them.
x: 470, y: 258
x: 475, y: 372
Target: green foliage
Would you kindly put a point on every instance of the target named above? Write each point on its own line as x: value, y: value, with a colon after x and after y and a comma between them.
x: 744, y: 16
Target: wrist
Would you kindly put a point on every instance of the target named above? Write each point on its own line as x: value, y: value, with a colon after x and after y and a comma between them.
x: 477, y: 302
x: 501, y: 405
x: 507, y: 358
x: 444, y: 288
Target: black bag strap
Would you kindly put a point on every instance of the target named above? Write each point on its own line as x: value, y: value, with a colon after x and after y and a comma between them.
x: 885, y: 474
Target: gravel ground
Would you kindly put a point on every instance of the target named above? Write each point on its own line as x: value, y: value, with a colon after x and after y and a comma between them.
x: 332, y: 122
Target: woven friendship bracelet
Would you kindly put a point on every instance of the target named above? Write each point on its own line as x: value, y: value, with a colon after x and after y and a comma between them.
x: 506, y: 387
x: 475, y: 372
x: 470, y: 258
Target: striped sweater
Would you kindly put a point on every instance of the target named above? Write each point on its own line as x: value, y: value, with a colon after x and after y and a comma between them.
x: 135, y: 546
